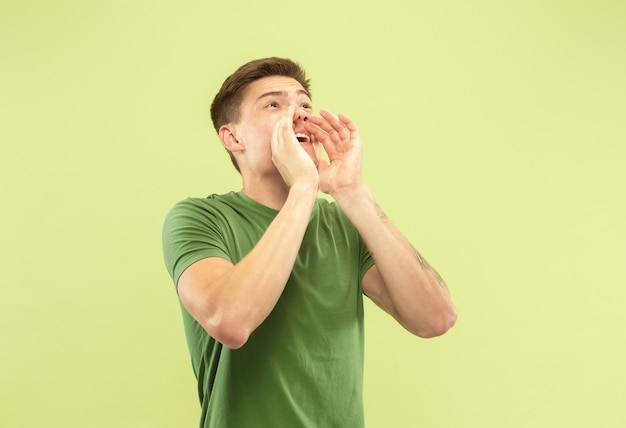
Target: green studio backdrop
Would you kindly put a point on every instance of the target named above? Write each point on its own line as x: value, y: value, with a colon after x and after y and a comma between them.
x: 494, y: 137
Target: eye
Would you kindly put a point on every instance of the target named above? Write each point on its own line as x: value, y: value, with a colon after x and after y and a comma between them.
x: 306, y: 106
x: 272, y: 104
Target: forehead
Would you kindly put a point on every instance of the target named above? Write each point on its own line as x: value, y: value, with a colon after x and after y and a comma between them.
x: 271, y: 84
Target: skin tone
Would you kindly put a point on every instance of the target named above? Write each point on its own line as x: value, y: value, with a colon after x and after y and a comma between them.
x: 277, y: 143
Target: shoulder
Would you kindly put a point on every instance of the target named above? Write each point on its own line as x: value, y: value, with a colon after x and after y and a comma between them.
x: 194, y: 216
x: 211, y: 201
x: 199, y: 207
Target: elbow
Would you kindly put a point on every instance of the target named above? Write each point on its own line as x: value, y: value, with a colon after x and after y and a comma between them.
x: 441, y: 327
x: 437, y: 325
x: 233, y: 339
x: 229, y: 325
x: 231, y: 334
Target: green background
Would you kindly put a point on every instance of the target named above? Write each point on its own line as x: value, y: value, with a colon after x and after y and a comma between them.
x: 494, y: 136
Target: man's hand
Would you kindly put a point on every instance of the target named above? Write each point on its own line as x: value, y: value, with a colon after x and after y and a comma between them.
x: 340, y: 138
x: 291, y: 160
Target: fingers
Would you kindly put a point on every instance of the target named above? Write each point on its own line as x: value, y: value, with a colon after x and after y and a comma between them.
x: 348, y: 123
x: 328, y: 126
x: 338, y: 123
x: 283, y: 130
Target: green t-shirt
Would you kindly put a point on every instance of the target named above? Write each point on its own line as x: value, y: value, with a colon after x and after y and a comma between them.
x: 303, y: 366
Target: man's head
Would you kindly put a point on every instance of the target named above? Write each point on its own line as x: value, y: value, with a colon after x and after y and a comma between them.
x: 226, y: 104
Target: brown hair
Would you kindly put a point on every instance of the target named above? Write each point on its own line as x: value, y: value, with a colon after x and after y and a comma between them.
x: 225, y: 106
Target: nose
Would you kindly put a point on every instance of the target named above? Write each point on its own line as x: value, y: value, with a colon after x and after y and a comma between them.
x: 299, y: 114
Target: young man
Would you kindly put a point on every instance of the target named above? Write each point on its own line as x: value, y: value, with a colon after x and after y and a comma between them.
x: 271, y: 278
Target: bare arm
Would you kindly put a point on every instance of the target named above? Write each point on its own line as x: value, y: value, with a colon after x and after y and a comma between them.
x: 231, y: 301
x: 401, y: 282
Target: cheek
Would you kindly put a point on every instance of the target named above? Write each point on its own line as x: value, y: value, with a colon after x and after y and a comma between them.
x: 269, y: 122
x: 260, y: 135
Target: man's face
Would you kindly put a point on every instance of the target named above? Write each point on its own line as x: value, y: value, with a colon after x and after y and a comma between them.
x: 264, y: 103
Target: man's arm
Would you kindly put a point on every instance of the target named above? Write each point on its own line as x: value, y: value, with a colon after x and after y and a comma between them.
x: 401, y: 282
x: 231, y: 301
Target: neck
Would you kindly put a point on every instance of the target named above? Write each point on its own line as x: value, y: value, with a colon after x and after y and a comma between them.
x: 269, y: 191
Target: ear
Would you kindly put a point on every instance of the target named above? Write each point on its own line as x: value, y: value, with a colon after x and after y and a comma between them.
x: 229, y: 139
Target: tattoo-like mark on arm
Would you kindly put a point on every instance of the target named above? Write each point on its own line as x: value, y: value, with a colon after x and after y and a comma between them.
x: 381, y: 213
x: 426, y: 266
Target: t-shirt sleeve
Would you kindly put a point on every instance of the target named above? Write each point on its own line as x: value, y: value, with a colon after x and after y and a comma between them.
x: 366, y: 259
x: 190, y: 233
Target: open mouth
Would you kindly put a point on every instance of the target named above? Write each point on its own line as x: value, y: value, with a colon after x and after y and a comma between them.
x: 303, y: 138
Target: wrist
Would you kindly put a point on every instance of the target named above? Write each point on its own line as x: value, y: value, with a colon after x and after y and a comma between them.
x: 307, y: 190
x: 356, y: 193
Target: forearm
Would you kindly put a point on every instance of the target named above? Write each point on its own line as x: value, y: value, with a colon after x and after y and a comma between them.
x: 232, y: 305
x: 263, y: 273
x: 411, y: 290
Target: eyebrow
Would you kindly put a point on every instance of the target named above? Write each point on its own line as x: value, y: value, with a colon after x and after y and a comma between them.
x: 281, y: 94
